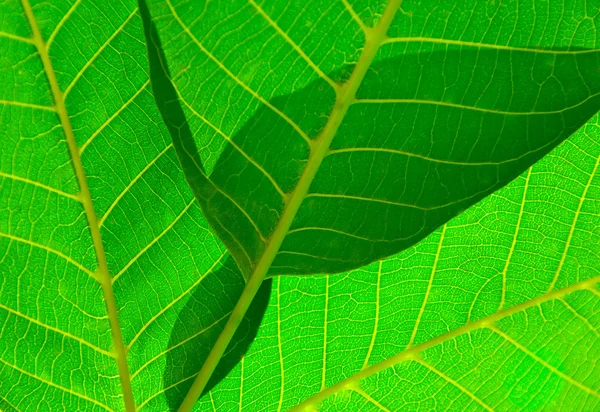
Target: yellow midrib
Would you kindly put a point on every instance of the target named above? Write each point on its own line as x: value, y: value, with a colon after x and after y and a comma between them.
x: 103, y: 275
x: 318, y: 150
x: 414, y: 352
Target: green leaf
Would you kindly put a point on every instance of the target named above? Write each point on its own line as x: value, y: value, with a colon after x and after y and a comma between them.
x: 115, y: 289
x: 498, y: 310
x: 319, y: 145
x: 107, y: 264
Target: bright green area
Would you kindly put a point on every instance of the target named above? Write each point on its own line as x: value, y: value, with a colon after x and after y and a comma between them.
x: 168, y: 269
x: 175, y: 283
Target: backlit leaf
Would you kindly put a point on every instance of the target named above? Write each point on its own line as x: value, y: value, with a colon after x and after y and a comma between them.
x: 498, y: 310
x: 318, y: 144
x: 115, y: 285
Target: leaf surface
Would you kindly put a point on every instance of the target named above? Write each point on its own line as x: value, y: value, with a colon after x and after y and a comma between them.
x: 320, y: 144
x: 103, y: 248
x: 112, y: 277
x: 497, y: 310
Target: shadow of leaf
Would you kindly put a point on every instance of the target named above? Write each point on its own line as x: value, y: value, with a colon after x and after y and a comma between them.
x: 191, y: 341
x: 412, y: 153
x: 205, y: 313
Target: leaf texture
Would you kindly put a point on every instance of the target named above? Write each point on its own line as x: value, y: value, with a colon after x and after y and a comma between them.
x: 497, y: 310
x: 449, y: 107
x: 320, y: 144
x: 115, y: 289
x: 103, y: 247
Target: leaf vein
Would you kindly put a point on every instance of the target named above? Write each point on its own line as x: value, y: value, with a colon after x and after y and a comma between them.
x: 153, y: 241
x: 59, y: 331
x: 541, y: 361
x: 474, y: 108
x: 296, y: 48
x: 40, y: 185
x: 413, y: 352
x: 483, y: 45
x: 319, y: 148
x: 230, y: 141
x: 130, y: 185
x: 61, y: 23
x: 355, y: 16
x: 170, y: 348
x: 234, y: 77
x: 514, y: 241
x: 580, y: 317
x: 369, y: 398
x: 98, y: 52
x: 51, y: 250
x: 233, y: 201
x: 377, y: 308
x: 384, y: 201
x: 455, y: 384
x: 173, y: 302
x: 16, y: 37
x: 103, y: 275
x: 423, y: 157
x: 113, y: 116
x: 428, y: 290
x: 563, y: 256
x: 54, y: 385
x: 28, y: 105
x: 341, y: 232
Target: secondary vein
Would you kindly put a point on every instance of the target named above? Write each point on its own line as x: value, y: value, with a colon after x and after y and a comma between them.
x: 413, y: 353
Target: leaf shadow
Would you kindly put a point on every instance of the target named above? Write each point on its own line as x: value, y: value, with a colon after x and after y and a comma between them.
x: 453, y: 148
x: 201, y: 320
x: 193, y: 335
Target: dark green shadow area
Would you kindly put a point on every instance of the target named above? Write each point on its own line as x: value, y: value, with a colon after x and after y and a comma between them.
x: 191, y: 339
x: 201, y: 320
x: 465, y: 123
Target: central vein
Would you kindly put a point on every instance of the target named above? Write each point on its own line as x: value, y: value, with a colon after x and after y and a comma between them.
x: 345, y: 96
x: 102, y: 273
